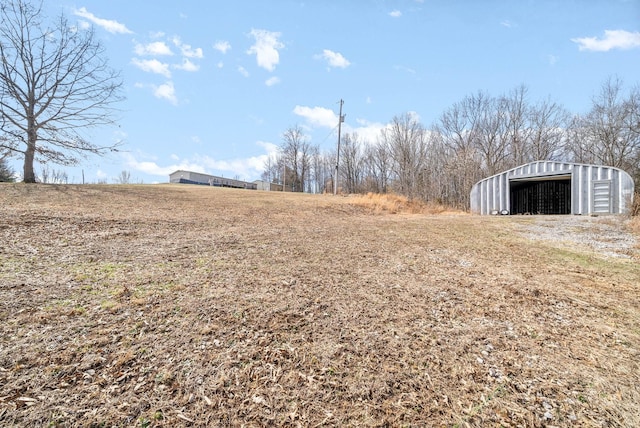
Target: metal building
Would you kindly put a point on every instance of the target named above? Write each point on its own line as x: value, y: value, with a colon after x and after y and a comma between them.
x: 190, y: 177
x: 549, y: 187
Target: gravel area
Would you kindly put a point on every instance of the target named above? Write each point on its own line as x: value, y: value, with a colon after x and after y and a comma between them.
x: 606, y: 236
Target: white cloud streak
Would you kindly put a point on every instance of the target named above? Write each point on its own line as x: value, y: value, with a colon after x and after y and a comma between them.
x: 222, y: 46
x: 152, y: 66
x: 152, y: 49
x: 272, y: 81
x: 395, y: 14
x: 317, y: 116
x: 613, y: 39
x: 266, y: 48
x: 187, y: 65
x: 186, y: 49
x: 334, y: 59
x: 111, y: 26
x: 243, y: 71
x: 166, y: 91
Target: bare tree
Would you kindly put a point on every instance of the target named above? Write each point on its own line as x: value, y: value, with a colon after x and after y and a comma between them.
x: 271, y: 173
x: 612, y: 126
x: 352, y: 163
x: 296, y: 152
x: 54, y: 83
x: 457, y: 130
x: 53, y: 176
x: 549, y: 123
x: 491, y: 131
x: 610, y: 132
x: 517, y: 129
x: 378, y: 164
x: 406, y: 141
x: 124, y: 177
x: 579, y: 147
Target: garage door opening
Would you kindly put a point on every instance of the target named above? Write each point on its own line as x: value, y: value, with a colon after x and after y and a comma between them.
x: 541, y: 196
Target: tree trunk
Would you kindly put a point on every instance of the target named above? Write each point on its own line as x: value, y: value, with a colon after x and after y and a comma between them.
x: 29, y: 156
x: 29, y: 175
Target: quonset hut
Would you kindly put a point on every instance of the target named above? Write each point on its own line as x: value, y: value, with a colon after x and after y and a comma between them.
x: 549, y: 187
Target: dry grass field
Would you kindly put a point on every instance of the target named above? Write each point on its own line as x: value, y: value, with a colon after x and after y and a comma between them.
x: 169, y: 306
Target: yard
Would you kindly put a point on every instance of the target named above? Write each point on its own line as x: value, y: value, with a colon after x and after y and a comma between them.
x: 178, y: 305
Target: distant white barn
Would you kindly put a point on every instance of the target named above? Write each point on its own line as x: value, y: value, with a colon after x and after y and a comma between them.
x: 550, y: 187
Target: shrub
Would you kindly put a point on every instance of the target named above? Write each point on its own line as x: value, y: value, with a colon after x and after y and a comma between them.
x: 6, y: 173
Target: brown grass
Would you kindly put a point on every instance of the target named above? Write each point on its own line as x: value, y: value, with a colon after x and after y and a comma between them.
x: 398, y: 204
x: 170, y: 306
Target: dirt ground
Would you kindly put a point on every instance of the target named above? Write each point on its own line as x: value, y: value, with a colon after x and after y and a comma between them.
x: 177, y: 305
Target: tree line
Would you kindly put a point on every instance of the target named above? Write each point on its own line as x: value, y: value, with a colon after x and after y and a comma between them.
x: 478, y: 136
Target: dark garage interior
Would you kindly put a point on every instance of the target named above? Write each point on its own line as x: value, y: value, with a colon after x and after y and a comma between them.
x: 541, y: 196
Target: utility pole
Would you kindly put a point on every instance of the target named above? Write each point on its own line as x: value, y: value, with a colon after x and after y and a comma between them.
x: 340, y: 120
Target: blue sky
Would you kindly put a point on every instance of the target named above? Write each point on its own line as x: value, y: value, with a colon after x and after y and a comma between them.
x: 211, y: 86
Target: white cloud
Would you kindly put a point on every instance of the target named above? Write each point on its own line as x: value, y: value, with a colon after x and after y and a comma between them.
x: 317, y: 116
x: 222, y: 46
x: 187, y: 65
x: 395, y: 14
x: 166, y: 91
x: 552, y: 59
x: 220, y: 64
x: 368, y: 132
x: 271, y: 148
x: 266, y: 48
x: 508, y: 24
x: 613, y: 39
x: 101, y: 174
x: 187, y: 50
x: 152, y: 168
x: 152, y: 66
x: 272, y: 81
x: 246, y: 168
x: 243, y: 71
x: 334, y: 59
x: 109, y: 25
x: 154, y: 49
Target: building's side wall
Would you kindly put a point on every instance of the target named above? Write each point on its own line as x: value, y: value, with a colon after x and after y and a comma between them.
x: 584, y: 176
x: 190, y: 177
x: 492, y: 193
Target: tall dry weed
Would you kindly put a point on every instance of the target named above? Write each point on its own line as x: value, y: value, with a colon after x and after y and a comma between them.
x: 397, y: 204
x: 635, y: 206
x: 635, y: 214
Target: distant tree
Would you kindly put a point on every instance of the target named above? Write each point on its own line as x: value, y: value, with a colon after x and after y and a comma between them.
x: 53, y: 176
x: 548, y: 122
x: 352, y: 156
x: 407, y: 144
x: 323, y: 165
x: 296, y: 152
x: 6, y: 173
x: 610, y: 132
x: 378, y: 167
x: 123, y: 178
x: 54, y: 84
